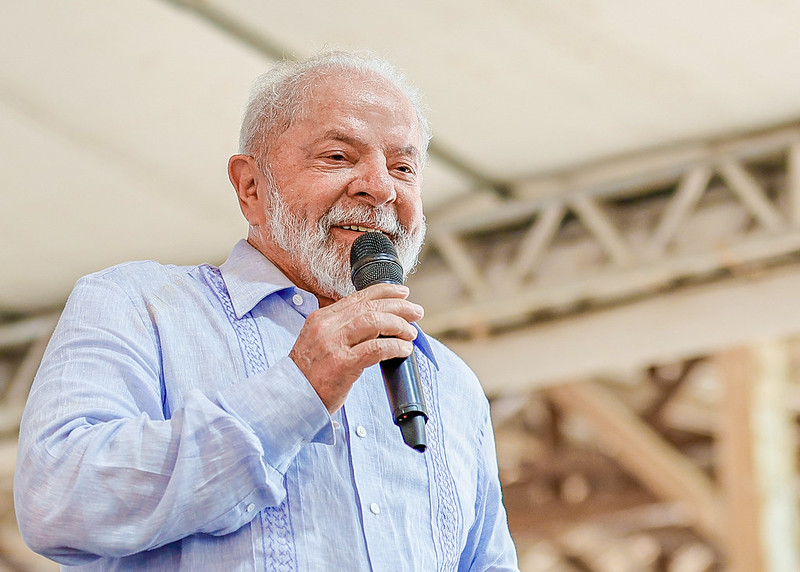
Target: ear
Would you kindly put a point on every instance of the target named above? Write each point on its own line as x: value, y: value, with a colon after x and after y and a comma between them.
x: 247, y: 179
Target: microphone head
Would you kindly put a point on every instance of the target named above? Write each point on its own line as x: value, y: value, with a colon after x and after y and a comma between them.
x: 373, y: 259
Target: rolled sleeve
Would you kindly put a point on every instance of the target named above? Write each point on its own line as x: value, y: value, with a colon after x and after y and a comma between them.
x: 282, y: 409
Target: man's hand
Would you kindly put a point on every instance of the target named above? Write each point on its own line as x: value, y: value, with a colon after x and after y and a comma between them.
x: 338, y: 341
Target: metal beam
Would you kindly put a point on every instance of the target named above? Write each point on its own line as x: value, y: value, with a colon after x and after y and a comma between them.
x: 689, y: 191
x: 688, y: 322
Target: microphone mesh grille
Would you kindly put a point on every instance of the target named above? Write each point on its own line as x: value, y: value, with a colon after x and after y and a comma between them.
x: 373, y: 259
x: 370, y: 244
x: 377, y: 272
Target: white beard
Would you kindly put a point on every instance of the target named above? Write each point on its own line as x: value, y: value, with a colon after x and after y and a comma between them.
x: 324, y: 263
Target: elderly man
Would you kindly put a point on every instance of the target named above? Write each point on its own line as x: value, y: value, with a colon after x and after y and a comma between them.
x: 234, y: 418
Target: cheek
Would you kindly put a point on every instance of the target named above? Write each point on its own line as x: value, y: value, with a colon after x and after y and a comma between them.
x: 311, y: 196
x: 410, y: 212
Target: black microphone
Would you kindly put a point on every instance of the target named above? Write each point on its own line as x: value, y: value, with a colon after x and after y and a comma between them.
x: 373, y: 260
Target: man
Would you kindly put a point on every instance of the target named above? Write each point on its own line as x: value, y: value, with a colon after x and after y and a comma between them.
x: 234, y: 418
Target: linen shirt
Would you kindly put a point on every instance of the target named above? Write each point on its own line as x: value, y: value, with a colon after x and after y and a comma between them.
x: 167, y: 429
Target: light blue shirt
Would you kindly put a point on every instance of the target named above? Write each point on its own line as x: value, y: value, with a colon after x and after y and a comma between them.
x: 167, y: 429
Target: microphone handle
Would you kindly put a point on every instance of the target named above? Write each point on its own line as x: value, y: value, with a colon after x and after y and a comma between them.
x: 403, y: 388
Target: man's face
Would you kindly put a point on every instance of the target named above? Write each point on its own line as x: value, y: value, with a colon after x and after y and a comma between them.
x: 351, y: 162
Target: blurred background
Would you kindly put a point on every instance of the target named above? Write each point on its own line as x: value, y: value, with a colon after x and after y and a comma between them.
x: 613, y: 199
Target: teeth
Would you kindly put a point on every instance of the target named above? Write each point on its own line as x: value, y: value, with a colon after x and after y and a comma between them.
x: 356, y: 227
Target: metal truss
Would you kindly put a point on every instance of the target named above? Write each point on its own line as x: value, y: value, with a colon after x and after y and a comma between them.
x: 612, y: 232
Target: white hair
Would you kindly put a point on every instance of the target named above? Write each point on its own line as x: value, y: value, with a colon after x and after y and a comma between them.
x: 278, y: 96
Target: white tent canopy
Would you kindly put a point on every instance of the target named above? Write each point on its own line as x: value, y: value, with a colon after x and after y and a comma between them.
x: 118, y: 117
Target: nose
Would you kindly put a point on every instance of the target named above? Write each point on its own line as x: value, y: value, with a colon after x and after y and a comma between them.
x: 373, y: 183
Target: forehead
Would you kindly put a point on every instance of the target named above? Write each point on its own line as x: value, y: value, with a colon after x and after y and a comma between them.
x: 349, y: 101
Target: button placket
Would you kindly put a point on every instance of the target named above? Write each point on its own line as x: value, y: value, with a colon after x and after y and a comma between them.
x: 369, y: 480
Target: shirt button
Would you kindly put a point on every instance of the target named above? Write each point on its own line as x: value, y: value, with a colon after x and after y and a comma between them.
x: 361, y: 432
x: 336, y: 425
x: 374, y: 508
x: 250, y: 507
x: 297, y: 299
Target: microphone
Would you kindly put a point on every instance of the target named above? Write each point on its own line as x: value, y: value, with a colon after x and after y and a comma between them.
x: 374, y: 260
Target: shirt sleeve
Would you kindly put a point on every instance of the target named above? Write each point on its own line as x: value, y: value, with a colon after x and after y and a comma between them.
x: 101, y: 469
x: 489, y: 545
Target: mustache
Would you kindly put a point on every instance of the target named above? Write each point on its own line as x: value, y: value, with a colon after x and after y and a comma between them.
x: 385, y: 220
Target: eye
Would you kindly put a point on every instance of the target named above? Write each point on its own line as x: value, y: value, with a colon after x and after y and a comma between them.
x: 337, y: 157
x: 405, y: 171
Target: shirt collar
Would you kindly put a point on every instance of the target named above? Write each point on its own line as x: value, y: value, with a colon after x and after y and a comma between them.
x: 250, y: 277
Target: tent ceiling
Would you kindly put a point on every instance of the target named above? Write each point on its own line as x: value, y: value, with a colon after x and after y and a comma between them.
x: 117, y: 117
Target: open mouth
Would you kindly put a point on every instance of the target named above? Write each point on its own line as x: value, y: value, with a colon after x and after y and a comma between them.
x: 359, y: 228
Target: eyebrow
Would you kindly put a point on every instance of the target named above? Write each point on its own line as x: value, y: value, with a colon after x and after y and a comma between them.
x: 337, y: 135
x: 411, y: 151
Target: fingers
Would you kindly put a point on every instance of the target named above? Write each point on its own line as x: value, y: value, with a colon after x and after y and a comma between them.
x: 338, y: 341
x: 376, y: 350
x: 382, y: 318
x: 365, y: 320
x: 379, y: 310
x: 374, y: 292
